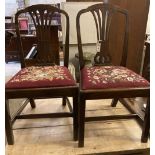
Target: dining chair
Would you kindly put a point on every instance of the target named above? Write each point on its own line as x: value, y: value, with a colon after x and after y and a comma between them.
x: 41, y: 75
x: 104, y: 79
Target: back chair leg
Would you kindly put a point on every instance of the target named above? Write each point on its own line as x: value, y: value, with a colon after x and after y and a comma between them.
x: 32, y: 103
x: 8, y: 125
x: 82, y: 106
x: 64, y: 101
x: 146, y: 125
x: 114, y: 102
x: 75, y: 118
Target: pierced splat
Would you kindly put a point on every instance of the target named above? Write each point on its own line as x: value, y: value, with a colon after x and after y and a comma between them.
x: 102, y: 18
x: 46, y: 33
x: 47, y: 36
x: 103, y: 14
x: 102, y: 57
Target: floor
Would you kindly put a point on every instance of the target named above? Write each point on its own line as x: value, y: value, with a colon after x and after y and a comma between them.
x: 11, y: 68
x: 54, y: 136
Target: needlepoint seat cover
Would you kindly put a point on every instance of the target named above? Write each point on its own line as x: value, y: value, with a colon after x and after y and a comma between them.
x: 41, y: 76
x: 102, y: 77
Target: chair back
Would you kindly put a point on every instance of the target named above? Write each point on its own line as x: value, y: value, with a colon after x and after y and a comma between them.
x: 46, y: 35
x: 103, y: 15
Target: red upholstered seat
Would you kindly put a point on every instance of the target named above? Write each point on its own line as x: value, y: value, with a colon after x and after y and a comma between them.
x: 39, y: 77
x: 100, y: 77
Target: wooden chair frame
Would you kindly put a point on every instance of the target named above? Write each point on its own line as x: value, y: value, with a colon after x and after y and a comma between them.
x: 40, y: 93
x: 116, y: 93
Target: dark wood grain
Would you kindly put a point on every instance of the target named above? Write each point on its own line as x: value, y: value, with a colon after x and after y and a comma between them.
x: 12, y: 52
x: 146, y: 65
x: 47, y: 47
x: 138, y: 15
x: 104, y: 33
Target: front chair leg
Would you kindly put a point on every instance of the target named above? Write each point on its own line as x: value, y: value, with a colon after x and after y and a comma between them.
x: 75, y: 117
x: 8, y: 124
x: 114, y: 102
x: 146, y: 124
x: 32, y: 103
x: 82, y: 106
x: 64, y: 101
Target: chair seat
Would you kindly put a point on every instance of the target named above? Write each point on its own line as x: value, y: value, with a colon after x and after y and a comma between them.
x: 101, y: 77
x: 39, y: 77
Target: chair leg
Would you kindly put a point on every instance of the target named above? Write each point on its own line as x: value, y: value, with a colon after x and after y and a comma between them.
x: 75, y: 117
x: 82, y: 106
x: 32, y: 103
x: 114, y: 102
x: 146, y: 125
x: 64, y: 101
x: 8, y: 125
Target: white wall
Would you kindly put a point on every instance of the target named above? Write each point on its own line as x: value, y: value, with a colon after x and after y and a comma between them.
x: 10, y: 7
x: 45, y: 1
x: 88, y: 29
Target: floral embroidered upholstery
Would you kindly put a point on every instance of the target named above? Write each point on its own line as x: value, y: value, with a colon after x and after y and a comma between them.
x: 37, y: 77
x: 100, y: 77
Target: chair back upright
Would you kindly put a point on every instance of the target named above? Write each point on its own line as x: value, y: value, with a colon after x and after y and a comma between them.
x: 103, y: 14
x: 46, y: 35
